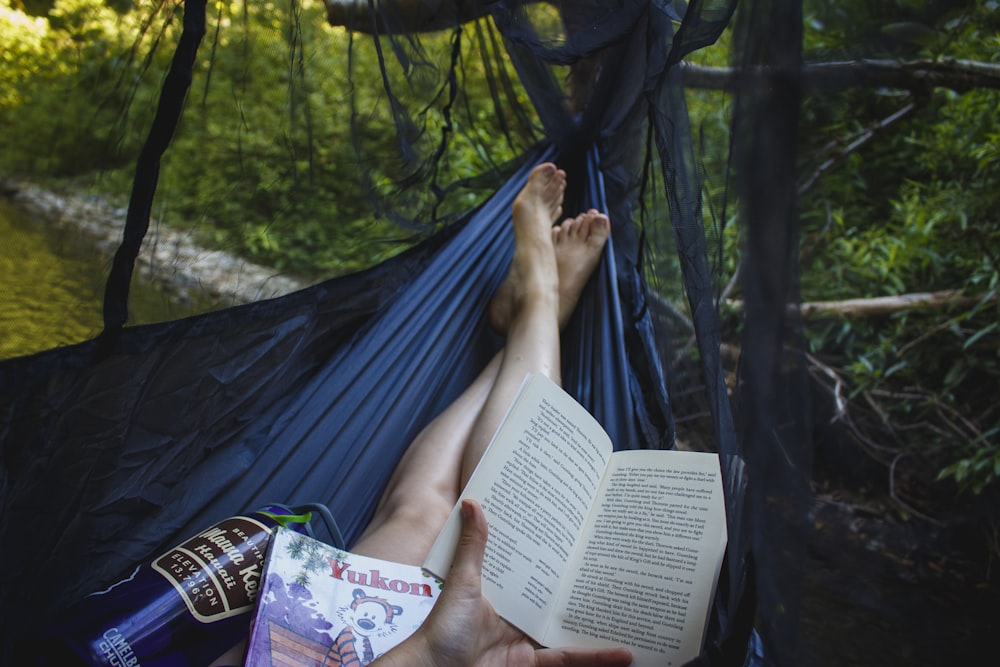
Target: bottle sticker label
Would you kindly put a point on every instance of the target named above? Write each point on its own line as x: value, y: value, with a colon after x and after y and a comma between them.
x: 218, y: 571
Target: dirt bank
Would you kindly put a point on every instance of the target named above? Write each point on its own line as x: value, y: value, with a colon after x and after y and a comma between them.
x: 169, y: 257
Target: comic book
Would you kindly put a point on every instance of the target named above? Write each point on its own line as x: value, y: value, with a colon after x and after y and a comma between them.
x: 319, y: 605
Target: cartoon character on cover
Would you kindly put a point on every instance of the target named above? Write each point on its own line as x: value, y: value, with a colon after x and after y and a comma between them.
x: 364, y: 618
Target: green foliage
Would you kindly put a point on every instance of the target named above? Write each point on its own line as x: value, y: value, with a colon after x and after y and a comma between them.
x: 75, y: 74
x: 22, y: 55
x: 264, y: 161
x: 911, y: 210
x: 271, y: 130
x: 979, y: 470
x: 898, y: 205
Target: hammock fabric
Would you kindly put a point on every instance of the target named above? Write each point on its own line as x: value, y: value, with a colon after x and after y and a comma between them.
x: 120, y: 447
x: 308, y: 398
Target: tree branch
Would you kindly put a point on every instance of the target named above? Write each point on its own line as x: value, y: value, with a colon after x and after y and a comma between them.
x: 413, y: 16
x: 406, y: 16
x: 851, y: 144
x: 958, y: 75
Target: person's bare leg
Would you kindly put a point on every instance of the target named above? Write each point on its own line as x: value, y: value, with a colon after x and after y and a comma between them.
x: 503, y: 304
x: 532, y: 294
x: 422, y: 489
x: 533, y: 334
x: 430, y: 476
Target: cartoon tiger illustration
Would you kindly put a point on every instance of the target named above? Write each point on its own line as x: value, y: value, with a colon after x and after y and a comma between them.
x: 364, y: 618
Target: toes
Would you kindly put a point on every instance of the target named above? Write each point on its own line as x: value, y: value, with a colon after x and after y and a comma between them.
x: 571, y: 227
x: 546, y: 186
x: 548, y: 176
x: 594, y: 226
x: 545, y: 170
x: 577, y: 227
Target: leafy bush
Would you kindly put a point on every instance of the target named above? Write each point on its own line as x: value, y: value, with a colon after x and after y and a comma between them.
x: 897, y: 198
x: 910, y: 211
x: 76, y: 75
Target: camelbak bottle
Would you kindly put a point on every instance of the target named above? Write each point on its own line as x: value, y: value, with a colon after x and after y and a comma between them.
x: 184, y: 608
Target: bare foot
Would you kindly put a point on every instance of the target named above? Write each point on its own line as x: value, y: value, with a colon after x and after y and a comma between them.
x: 579, y: 244
x: 533, y: 270
x: 542, y: 195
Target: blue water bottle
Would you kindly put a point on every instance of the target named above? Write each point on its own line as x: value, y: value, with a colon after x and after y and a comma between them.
x: 184, y: 608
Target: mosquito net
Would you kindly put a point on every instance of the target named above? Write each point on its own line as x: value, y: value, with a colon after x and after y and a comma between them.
x: 123, y: 445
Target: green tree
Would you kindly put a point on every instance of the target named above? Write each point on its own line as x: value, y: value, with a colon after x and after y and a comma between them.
x: 76, y: 75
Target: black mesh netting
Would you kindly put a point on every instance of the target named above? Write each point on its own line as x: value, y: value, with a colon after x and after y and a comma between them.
x: 107, y: 440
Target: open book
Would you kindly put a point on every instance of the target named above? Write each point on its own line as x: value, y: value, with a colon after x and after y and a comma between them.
x: 590, y: 547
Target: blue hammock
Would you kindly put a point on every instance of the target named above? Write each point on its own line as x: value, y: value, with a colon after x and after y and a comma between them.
x: 308, y: 398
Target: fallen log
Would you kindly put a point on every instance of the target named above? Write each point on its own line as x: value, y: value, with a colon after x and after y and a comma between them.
x: 882, y: 305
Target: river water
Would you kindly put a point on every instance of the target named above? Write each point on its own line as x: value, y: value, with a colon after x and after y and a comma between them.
x: 52, y: 286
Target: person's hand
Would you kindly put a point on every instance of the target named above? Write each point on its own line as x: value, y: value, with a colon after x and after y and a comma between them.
x: 463, y: 630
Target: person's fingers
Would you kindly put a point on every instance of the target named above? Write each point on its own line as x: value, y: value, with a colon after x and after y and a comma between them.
x: 467, y: 566
x: 571, y: 657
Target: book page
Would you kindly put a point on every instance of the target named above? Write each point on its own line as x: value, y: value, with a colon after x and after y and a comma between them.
x: 646, y: 573
x: 535, y: 483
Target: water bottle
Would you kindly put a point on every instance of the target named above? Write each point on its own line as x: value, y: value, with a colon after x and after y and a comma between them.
x: 184, y: 608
